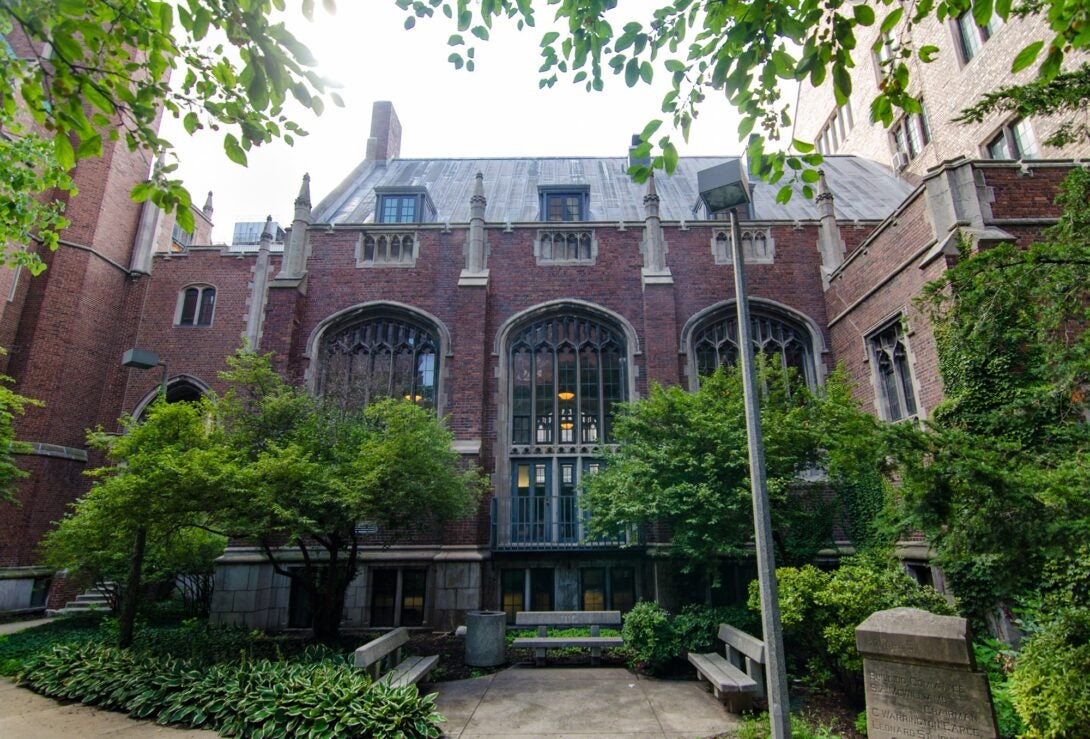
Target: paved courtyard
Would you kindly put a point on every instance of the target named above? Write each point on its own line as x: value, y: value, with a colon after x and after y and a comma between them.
x: 578, y: 702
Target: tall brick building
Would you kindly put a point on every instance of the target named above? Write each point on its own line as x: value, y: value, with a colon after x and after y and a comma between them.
x: 971, y: 61
x: 520, y: 298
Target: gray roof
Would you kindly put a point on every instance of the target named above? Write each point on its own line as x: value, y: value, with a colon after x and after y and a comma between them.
x: 863, y: 190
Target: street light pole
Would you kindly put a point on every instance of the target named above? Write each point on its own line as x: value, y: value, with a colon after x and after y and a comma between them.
x: 776, y: 678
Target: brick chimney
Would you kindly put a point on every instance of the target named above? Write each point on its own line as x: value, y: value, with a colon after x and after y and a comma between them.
x: 384, y: 143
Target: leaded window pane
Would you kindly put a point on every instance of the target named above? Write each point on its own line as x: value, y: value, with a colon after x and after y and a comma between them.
x: 567, y: 374
x: 377, y: 358
x: 189, y: 306
x: 715, y: 344
x: 894, y: 374
x: 208, y: 305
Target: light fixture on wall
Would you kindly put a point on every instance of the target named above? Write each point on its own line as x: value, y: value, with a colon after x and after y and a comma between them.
x: 414, y: 398
x: 565, y: 395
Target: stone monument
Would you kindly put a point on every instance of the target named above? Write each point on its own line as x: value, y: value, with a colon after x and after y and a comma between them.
x: 920, y: 677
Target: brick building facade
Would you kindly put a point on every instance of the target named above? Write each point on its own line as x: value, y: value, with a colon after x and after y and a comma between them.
x: 971, y: 61
x: 520, y: 298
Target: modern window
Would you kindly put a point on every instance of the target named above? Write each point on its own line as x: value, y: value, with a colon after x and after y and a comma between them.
x: 607, y: 588
x: 535, y: 586
x: 1014, y: 141
x: 181, y: 237
x: 835, y: 130
x: 972, y: 37
x: 196, y: 305
x: 783, y: 340
x: 565, y: 204
x: 892, y: 372
x: 909, y: 136
x: 398, y: 596
x: 410, y: 205
x: 382, y: 356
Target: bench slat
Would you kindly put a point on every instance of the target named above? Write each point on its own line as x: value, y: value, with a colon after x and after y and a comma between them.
x: 748, y: 645
x: 411, y: 670
x: 377, y: 649
x: 554, y: 642
x: 562, y: 619
x: 722, y: 674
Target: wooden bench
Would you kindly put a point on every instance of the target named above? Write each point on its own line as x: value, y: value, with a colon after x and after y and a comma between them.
x: 544, y: 620
x: 739, y: 677
x: 381, y: 658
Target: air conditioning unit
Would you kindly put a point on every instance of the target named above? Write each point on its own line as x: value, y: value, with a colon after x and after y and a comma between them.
x: 900, y: 161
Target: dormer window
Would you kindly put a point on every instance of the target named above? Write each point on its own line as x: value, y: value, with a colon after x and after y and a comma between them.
x: 564, y: 203
x: 403, y: 205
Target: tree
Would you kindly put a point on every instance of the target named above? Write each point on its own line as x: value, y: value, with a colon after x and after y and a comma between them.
x: 11, y: 405
x: 308, y: 472
x: 78, y: 73
x: 147, y: 515
x: 744, y: 49
x: 998, y: 479
x: 682, y: 460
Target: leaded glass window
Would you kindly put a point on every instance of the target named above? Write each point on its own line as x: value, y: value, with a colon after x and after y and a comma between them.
x: 715, y: 343
x: 196, y: 305
x: 567, y: 374
x: 893, y: 373
x: 380, y: 357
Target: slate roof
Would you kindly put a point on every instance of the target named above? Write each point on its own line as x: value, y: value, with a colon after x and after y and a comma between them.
x: 863, y: 190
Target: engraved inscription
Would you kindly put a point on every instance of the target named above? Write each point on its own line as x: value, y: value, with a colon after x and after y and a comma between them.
x: 922, y: 702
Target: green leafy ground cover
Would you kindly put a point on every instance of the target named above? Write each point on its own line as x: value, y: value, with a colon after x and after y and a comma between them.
x: 229, y: 679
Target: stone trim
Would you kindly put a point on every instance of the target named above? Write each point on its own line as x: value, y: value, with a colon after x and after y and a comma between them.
x: 758, y: 246
x: 57, y: 451
x: 548, y: 240
x: 388, y: 238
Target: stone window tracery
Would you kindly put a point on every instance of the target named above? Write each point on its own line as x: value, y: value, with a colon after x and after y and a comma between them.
x: 757, y: 245
x: 382, y: 356
x: 893, y: 373
x: 386, y: 249
x: 715, y: 342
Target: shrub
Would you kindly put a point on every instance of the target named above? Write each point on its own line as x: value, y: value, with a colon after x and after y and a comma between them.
x: 820, y: 611
x: 1050, y: 685
x: 325, y: 698
x: 656, y: 639
x: 997, y: 661
x: 649, y: 636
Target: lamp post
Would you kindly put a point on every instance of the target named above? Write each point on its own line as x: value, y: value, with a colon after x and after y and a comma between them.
x: 724, y: 187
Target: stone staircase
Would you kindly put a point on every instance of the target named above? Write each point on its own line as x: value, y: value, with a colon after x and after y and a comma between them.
x: 89, y: 600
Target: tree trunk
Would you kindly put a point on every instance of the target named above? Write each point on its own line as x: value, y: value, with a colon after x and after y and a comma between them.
x: 127, y: 617
x: 329, y: 605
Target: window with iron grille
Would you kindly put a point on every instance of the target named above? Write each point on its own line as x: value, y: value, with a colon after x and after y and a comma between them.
x: 382, y: 356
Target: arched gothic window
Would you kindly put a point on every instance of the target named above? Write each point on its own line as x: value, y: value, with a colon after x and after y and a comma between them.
x: 715, y: 342
x: 382, y: 356
x: 567, y: 373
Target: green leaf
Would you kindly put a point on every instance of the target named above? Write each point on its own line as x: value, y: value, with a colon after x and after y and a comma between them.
x: 784, y: 195
x: 810, y: 175
x: 646, y: 72
x: 673, y: 65
x: 183, y: 215
x: 927, y: 53
x: 191, y: 123
x: 1027, y: 56
x: 234, y: 150
x: 892, y: 20
x: 650, y: 129
x: 982, y: 12
x: 410, y: 22
x: 62, y: 149
x: 864, y: 15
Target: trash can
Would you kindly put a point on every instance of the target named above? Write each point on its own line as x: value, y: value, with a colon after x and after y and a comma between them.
x: 485, y: 638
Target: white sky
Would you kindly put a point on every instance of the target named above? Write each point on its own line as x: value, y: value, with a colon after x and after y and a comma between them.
x: 497, y: 110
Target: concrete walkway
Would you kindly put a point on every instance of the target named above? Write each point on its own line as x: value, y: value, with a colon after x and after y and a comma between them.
x: 578, y: 702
